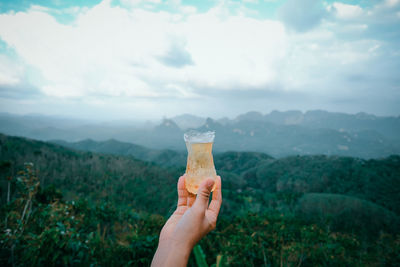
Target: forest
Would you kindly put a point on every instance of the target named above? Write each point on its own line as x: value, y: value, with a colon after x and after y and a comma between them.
x: 68, y: 207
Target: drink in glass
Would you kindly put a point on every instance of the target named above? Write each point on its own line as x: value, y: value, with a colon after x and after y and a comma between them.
x: 200, y: 162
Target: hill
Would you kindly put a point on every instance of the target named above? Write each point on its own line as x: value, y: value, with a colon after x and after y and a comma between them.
x: 119, y: 179
x: 376, y: 180
x: 165, y: 157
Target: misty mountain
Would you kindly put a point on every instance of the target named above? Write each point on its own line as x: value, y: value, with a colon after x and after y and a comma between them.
x: 283, y: 140
x: 52, y: 127
x: 387, y: 126
x: 278, y: 134
x: 186, y: 121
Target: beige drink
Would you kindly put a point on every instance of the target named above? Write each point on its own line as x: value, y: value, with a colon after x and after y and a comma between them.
x: 200, y: 162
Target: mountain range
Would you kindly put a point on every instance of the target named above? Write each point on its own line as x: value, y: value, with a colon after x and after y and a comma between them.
x: 277, y: 133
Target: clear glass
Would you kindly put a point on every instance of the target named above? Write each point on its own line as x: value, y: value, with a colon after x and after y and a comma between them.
x: 200, y: 162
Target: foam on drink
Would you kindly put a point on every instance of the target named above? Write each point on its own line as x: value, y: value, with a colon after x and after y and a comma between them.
x: 200, y: 162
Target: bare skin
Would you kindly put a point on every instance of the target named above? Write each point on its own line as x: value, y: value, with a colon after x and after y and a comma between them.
x: 191, y: 221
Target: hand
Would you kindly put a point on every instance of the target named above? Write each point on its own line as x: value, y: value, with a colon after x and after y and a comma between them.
x: 191, y: 221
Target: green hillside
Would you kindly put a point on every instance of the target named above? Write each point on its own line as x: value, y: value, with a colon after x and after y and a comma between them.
x: 376, y: 180
x: 163, y: 157
x: 69, y: 207
x: 123, y: 180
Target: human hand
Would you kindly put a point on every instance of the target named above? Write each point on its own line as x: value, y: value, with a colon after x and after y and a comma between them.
x: 191, y: 221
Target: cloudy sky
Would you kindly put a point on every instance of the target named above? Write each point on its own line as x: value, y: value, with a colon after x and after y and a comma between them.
x: 132, y: 59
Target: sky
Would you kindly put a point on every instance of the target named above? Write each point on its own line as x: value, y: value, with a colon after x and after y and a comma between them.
x: 133, y: 59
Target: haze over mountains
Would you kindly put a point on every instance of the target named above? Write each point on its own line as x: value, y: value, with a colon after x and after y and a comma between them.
x: 277, y: 133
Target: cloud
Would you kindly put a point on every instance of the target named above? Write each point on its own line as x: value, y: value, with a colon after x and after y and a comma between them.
x: 345, y: 11
x: 235, y: 51
x: 177, y: 56
x: 113, y: 51
x: 302, y: 15
x: 379, y: 21
x: 19, y: 91
x: 391, y: 3
x: 117, y: 59
x: 10, y: 71
x: 138, y: 2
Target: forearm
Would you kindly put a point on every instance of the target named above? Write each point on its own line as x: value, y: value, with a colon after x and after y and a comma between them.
x: 171, y: 254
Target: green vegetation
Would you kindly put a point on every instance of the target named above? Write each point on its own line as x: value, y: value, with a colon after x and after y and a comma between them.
x: 96, y: 177
x: 61, y: 207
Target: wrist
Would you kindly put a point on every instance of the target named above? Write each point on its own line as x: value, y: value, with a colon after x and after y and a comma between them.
x: 179, y: 245
x: 172, y: 253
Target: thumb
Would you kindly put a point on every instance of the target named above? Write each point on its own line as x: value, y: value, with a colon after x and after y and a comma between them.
x: 203, y: 194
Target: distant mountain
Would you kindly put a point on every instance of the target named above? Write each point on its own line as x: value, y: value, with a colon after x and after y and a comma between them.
x: 387, y: 126
x: 51, y: 127
x: 278, y: 133
x: 186, y: 121
x: 250, y: 116
x: 31, y: 125
x: 282, y: 140
x: 292, y: 117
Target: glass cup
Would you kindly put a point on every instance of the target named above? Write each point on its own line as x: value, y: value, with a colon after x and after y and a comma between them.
x: 200, y: 162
